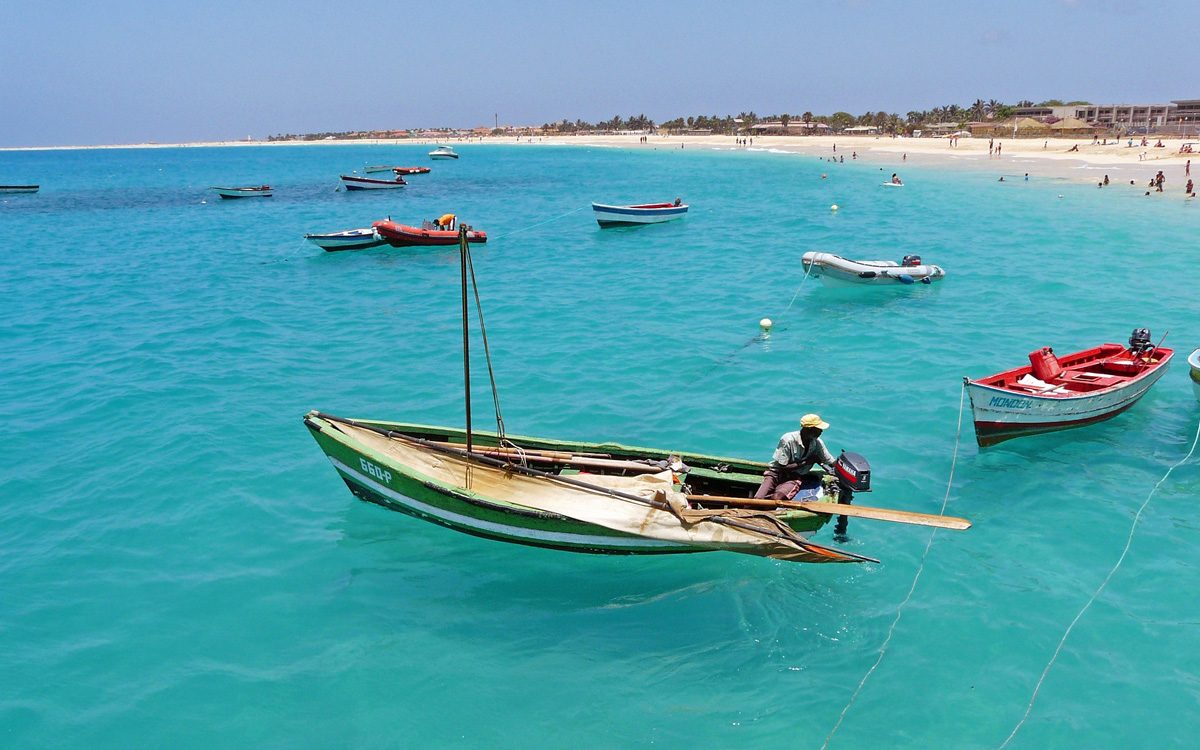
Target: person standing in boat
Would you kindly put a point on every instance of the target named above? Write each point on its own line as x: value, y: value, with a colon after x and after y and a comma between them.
x: 794, y: 457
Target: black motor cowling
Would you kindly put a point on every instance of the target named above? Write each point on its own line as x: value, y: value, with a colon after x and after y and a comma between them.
x: 1139, y: 341
x: 911, y: 261
x: 853, y: 472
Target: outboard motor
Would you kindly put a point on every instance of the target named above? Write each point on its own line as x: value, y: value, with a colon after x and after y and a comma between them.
x: 1139, y: 341
x: 853, y: 474
x: 910, y: 261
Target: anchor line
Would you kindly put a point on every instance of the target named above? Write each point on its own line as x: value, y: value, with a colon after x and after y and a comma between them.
x: 920, y: 568
x: 1103, y: 584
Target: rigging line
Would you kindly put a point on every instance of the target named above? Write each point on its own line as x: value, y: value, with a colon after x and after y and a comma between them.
x: 917, y: 577
x: 1121, y: 559
x: 807, y: 271
x: 541, y: 223
x: 486, y: 351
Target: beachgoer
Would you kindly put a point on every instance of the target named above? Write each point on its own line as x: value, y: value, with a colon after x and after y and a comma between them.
x: 1027, y: 177
x: 1000, y: 180
x: 905, y: 158
x: 1073, y: 148
x: 1188, y: 189
x: 1187, y: 168
x: 794, y: 457
x: 1105, y: 179
x: 998, y: 147
x: 896, y: 179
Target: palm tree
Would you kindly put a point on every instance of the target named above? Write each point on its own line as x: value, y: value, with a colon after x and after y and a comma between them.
x: 807, y: 117
x: 978, y: 109
x: 992, y: 106
x: 784, y: 120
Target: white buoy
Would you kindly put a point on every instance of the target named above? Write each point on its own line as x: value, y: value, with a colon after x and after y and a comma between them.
x: 833, y: 207
x: 765, y: 324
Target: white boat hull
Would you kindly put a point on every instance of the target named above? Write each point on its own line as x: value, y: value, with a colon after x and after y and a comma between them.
x: 617, y: 216
x: 1001, y: 414
x: 354, y: 239
x: 834, y: 270
x: 444, y: 152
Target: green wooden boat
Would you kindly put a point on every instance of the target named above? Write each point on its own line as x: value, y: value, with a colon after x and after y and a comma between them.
x: 584, y: 497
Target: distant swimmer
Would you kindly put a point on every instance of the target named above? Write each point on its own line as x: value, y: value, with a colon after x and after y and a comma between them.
x: 896, y: 179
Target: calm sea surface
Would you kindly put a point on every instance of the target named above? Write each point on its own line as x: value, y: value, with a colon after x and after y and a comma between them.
x: 181, y: 567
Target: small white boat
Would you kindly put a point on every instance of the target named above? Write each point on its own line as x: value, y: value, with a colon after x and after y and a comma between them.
x: 370, y: 183
x: 18, y: 188
x: 835, y: 270
x: 262, y: 191
x: 649, y: 213
x: 1194, y: 363
x: 443, y: 152
x: 372, y: 169
x: 351, y: 239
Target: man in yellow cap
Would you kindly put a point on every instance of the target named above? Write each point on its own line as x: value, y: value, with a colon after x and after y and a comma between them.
x: 794, y: 457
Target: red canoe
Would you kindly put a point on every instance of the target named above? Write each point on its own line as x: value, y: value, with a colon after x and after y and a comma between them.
x: 1055, y: 394
x: 410, y: 170
x: 402, y: 235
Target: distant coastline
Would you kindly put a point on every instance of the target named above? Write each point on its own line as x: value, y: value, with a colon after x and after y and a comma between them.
x: 1064, y: 158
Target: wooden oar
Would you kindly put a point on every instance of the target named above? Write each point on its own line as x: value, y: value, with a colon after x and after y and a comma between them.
x: 839, y: 509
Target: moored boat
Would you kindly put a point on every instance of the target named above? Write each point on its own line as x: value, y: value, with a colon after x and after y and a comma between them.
x: 373, y: 168
x: 403, y: 171
x: 647, y: 213
x: 834, y: 270
x: 262, y: 191
x: 587, y: 497
x: 429, y: 233
x: 1194, y: 364
x: 19, y: 188
x: 351, y: 239
x: 1053, y: 393
x: 443, y: 152
x: 350, y: 182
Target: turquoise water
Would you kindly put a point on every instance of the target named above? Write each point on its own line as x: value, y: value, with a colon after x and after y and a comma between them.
x: 180, y: 565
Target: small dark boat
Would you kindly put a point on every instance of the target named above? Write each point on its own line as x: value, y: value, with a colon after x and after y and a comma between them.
x: 18, y: 188
x: 410, y: 170
x: 370, y: 183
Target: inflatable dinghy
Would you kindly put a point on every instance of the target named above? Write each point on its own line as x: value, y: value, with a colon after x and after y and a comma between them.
x: 835, y: 270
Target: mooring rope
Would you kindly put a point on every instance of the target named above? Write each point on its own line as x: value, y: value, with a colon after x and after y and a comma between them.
x: 540, y: 223
x: 917, y: 577
x: 1121, y: 559
x: 760, y: 336
x: 287, y: 257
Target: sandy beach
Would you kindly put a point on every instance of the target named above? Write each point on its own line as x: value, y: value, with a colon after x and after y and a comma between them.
x: 1074, y: 159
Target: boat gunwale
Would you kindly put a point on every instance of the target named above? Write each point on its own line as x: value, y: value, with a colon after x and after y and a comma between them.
x: 1074, y: 360
x: 467, y: 495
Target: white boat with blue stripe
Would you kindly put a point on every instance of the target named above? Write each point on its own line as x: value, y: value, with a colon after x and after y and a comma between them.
x: 649, y: 213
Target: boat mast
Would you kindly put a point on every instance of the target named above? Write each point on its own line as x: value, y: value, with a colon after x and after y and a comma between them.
x: 462, y: 253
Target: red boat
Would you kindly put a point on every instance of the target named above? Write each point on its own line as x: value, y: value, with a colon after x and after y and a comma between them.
x: 402, y: 235
x: 410, y: 170
x: 1053, y: 393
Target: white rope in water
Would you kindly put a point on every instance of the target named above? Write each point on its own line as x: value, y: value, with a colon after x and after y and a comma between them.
x: 807, y: 271
x: 917, y: 577
x: 284, y: 259
x: 1107, y: 578
x: 542, y: 223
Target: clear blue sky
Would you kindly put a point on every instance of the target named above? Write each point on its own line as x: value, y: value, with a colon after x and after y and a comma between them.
x: 129, y: 71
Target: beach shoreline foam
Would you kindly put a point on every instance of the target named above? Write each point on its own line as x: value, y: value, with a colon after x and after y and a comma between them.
x: 1075, y: 159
